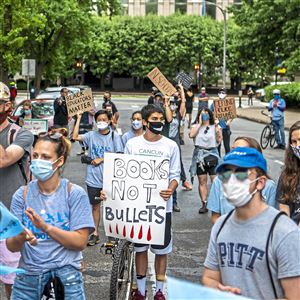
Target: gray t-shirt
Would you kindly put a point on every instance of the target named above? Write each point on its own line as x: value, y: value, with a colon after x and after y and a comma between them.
x: 11, y: 177
x: 239, y: 253
x: 67, y: 210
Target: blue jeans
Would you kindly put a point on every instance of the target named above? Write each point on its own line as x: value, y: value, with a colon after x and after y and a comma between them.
x: 31, y: 287
x: 279, y: 131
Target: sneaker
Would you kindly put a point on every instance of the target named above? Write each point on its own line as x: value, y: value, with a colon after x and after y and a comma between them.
x: 282, y: 147
x: 203, y: 209
x: 93, y: 240
x: 277, y: 147
x: 81, y: 152
x: 187, y: 186
x: 176, y: 208
x: 138, y: 296
x: 159, y: 296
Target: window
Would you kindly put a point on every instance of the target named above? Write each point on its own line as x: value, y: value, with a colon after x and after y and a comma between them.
x: 151, y: 7
x: 211, y: 9
x: 180, y: 6
x: 124, y: 4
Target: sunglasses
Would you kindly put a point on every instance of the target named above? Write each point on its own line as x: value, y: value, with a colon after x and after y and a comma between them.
x: 240, y: 174
x: 52, y: 135
x: 206, y: 130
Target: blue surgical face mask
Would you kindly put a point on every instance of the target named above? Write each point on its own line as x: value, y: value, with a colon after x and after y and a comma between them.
x: 276, y: 97
x: 42, y: 169
x: 27, y: 112
x: 205, y: 117
x: 136, y: 124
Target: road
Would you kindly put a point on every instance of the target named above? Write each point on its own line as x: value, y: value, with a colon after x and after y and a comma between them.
x: 190, y: 230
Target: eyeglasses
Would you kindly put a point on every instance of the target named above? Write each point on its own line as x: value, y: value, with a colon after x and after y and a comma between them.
x: 241, y: 174
x: 206, y: 130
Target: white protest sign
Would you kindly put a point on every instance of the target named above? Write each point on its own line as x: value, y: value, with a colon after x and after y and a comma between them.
x: 134, y: 210
x: 36, y: 126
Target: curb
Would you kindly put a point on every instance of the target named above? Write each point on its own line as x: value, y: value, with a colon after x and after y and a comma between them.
x: 257, y: 120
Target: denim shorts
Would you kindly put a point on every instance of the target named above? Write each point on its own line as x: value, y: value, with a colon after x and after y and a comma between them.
x: 31, y: 287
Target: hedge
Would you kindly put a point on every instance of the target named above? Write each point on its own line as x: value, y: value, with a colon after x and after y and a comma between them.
x: 289, y: 92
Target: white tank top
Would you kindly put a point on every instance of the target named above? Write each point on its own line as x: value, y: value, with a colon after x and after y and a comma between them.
x: 206, y: 137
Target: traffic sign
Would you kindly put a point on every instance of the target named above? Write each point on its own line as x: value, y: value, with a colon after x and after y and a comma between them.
x: 28, y: 67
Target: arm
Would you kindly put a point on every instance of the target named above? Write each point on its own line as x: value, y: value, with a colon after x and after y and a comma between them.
x: 270, y: 107
x: 183, y: 102
x: 166, y: 194
x: 281, y: 105
x: 169, y: 115
x: 76, y: 135
x: 194, y: 131
x: 10, y: 155
x: 116, y: 117
x: 212, y: 279
x: 74, y: 240
x: 285, y: 208
x: 291, y: 287
x: 16, y: 243
x: 219, y: 135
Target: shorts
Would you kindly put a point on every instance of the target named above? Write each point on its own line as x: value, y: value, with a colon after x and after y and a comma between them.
x: 189, y: 109
x: 207, y: 170
x: 9, y: 259
x: 93, y: 193
x: 166, y: 248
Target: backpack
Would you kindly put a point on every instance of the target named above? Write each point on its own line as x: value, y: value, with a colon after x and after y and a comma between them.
x: 269, y: 238
x: 12, y: 134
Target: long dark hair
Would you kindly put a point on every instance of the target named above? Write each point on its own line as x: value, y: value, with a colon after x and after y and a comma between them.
x: 290, y: 177
x: 211, y: 116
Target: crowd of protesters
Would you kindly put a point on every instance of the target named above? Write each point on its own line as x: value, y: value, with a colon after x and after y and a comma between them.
x: 254, y: 246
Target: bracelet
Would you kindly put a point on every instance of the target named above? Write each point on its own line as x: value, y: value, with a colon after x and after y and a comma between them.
x: 46, y: 228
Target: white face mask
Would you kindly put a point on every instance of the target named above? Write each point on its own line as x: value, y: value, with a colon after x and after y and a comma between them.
x: 102, y: 125
x: 222, y: 95
x: 136, y: 124
x: 237, y: 192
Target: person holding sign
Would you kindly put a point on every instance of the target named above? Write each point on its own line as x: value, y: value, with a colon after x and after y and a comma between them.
x: 136, y: 127
x: 98, y: 142
x: 57, y: 212
x: 152, y: 142
x: 224, y: 124
x: 207, y: 136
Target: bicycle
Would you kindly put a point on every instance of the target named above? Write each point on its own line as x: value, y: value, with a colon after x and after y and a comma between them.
x: 122, y: 285
x: 267, y: 134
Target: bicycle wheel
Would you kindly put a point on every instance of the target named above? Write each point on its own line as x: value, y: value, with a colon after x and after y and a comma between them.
x: 265, y: 137
x: 122, y: 271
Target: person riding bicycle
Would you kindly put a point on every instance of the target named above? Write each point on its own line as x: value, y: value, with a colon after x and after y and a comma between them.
x: 277, y: 106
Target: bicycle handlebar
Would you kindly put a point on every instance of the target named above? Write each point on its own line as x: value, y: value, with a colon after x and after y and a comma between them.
x: 263, y: 113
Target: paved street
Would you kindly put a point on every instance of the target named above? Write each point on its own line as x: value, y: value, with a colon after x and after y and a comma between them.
x: 191, y: 230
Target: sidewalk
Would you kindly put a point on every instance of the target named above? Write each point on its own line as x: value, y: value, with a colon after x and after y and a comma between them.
x: 253, y: 113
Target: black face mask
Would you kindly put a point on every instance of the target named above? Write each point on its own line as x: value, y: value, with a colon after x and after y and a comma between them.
x: 156, y: 127
x: 105, y: 99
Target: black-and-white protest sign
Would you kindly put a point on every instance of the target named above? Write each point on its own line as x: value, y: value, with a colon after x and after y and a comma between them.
x: 185, y: 79
x: 35, y: 126
x: 134, y: 210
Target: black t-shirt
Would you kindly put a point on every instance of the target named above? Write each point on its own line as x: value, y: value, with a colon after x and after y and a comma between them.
x: 60, y: 112
x: 113, y: 106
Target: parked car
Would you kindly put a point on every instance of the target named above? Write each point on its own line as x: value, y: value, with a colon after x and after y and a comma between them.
x: 54, y: 92
x: 41, y: 109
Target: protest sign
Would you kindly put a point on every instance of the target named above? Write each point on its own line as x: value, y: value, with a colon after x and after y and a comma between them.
x: 9, y: 224
x: 35, y: 126
x: 161, y: 82
x: 80, y: 102
x: 134, y: 210
x: 225, y: 109
x: 185, y: 79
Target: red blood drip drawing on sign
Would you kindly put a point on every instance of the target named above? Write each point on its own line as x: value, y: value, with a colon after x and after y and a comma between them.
x: 124, y: 231
x: 132, y: 232
x: 149, y: 237
x: 110, y: 230
x: 117, y: 229
x: 140, y: 236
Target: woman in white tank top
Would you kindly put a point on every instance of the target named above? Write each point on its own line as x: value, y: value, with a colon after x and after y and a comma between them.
x: 207, y: 136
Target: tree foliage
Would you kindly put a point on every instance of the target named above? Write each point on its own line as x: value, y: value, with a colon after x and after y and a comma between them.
x: 135, y: 45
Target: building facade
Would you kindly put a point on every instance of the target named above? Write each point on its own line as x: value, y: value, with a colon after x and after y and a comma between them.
x: 169, y: 7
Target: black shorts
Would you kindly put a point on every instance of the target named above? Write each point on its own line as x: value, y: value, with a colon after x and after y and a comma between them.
x: 93, y: 193
x: 207, y: 170
x: 166, y: 248
x: 189, y: 109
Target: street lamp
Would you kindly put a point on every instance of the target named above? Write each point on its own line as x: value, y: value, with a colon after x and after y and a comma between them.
x: 224, y: 47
